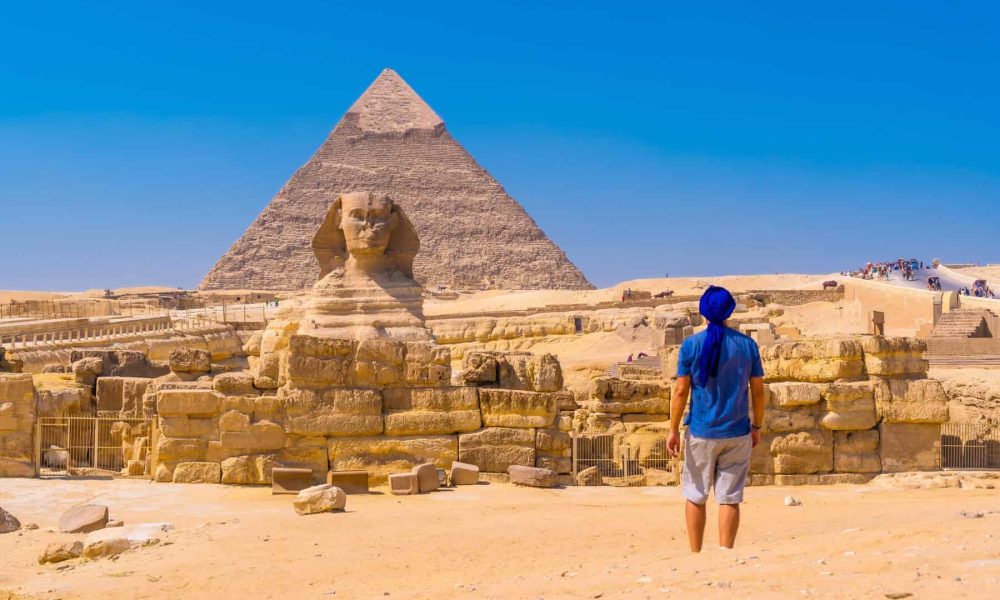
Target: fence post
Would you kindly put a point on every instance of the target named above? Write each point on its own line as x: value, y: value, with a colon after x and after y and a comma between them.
x: 575, y: 452
x: 38, y: 447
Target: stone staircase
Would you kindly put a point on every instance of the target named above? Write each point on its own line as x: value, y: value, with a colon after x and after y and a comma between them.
x: 964, y: 323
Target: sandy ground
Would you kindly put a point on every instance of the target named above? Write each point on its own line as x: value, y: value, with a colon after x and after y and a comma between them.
x: 991, y: 273
x: 499, y: 541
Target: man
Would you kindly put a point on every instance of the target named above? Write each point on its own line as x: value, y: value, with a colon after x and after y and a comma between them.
x: 717, y: 366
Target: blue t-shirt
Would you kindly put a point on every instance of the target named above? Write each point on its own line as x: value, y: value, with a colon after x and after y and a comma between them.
x: 721, y: 409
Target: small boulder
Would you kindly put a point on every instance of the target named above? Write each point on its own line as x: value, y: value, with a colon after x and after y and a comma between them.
x: 403, y: 484
x: 792, y: 501
x: 54, y: 368
x: 591, y: 476
x: 8, y: 522
x: 532, y: 476
x: 427, y: 477
x: 464, y: 474
x: 58, y: 552
x: 84, y: 518
x: 112, y: 542
x: 320, y: 498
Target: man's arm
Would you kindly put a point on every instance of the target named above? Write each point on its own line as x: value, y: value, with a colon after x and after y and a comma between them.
x: 757, y: 397
x: 682, y: 387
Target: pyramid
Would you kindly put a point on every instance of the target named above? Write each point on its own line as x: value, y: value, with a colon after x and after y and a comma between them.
x: 473, y: 235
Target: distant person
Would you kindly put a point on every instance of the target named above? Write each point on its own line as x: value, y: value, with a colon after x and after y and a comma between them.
x: 717, y: 366
x: 629, y: 358
x: 642, y: 355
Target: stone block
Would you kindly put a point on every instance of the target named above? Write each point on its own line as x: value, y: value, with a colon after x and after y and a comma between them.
x: 856, y: 452
x: 848, y: 406
x: 268, y: 373
x: 378, y: 363
x: 10, y: 467
x: 234, y: 420
x: 464, y: 474
x: 175, y: 450
x: 532, y: 476
x: 352, y: 482
x: 338, y: 412
x: 803, y: 452
x: 235, y: 384
x: 404, y: 484
x: 640, y: 422
x: 259, y: 437
x: 624, y: 396
x: 290, y: 480
x: 494, y: 449
x: 319, y: 499
x: 247, y: 470
x: 793, y: 394
x: 187, y: 402
x: 560, y: 465
x: 203, y: 428
x: 313, y: 362
x: 585, y: 421
x: 591, y: 476
x: 86, y: 370
x: 816, y: 360
x: 427, y: 477
x: 308, y: 452
x: 777, y: 420
x: 894, y: 357
x: 479, y: 367
x: 552, y: 441
x: 511, y: 408
x: 19, y: 390
x: 197, y: 472
x: 911, y: 401
x: 427, y: 364
x: 910, y: 447
x: 190, y: 360
x: 57, y: 552
x: 430, y: 411
x: 84, y: 518
x: 380, y: 456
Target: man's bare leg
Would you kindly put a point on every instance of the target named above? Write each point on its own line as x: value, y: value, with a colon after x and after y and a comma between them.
x: 729, y: 523
x: 695, y: 514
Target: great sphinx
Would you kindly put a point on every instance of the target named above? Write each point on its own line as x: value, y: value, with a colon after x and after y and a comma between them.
x: 366, y: 290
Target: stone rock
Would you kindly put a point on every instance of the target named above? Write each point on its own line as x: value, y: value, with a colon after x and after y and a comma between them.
x: 316, y: 363
x: 337, y: 412
x: 894, y: 357
x: 352, y: 482
x: 817, y: 360
x: 319, y: 499
x: 793, y: 394
x: 479, y: 367
x: 380, y: 456
x: 307, y: 452
x: 57, y: 552
x: 8, y: 522
x: 84, y: 518
x: 54, y: 368
x: 623, y: 396
x: 591, y: 476
x: 197, y: 472
x: 911, y: 401
x: 378, y: 363
x: 87, y: 370
x: 792, y: 501
x: 235, y: 384
x: 849, y: 406
x: 122, y: 394
x: 180, y: 449
x: 427, y: 364
x: 464, y: 474
x: 803, y: 452
x: 135, y: 468
x: 290, y: 480
x: 247, y: 470
x: 562, y: 465
x: 553, y: 441
x: 190, y: 360
x: 404, y: 484
x: 532, y: 476
x: 856, y: 452
x: 188, y: 402
x: 588, y: 422
x: 494, y: 449
x: 431, y: 411
x: 512, y: 408
x: 427, y: 477
x: 112, y: 542
x: 262, y: 436
x: 909, y: 447
x: 795, y: 419
x: 116, y: 523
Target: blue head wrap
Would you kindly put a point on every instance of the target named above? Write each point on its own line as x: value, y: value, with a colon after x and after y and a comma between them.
x: 716, y: 306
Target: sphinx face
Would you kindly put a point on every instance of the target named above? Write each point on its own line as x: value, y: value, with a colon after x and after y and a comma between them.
x: 367, y: 222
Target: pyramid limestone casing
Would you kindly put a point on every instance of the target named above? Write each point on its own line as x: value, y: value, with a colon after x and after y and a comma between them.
x: 472, y: 233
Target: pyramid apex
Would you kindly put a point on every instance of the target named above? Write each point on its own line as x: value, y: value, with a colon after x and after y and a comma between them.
x: 390, y: 105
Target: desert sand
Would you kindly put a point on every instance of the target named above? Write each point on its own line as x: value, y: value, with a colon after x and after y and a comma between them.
x: 501, y: 541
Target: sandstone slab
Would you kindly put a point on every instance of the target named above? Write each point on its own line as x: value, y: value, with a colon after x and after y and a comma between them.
x: 532, y: 476
x: 84, y: 518
x: 495, y: 449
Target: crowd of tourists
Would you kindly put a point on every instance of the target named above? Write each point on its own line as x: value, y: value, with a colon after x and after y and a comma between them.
x: 882, y: 269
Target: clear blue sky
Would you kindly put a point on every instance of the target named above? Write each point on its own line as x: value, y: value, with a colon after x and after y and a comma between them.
x: 139, y: 139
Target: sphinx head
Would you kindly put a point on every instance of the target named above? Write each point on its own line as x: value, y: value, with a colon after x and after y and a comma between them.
x: 367, y: 226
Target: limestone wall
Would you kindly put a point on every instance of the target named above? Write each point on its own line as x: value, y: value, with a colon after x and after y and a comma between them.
x: 848, y: 406
x: 17, y: 420
x: 374, y: 405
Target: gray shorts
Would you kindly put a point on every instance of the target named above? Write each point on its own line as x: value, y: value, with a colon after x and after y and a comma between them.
x: 722, y: 462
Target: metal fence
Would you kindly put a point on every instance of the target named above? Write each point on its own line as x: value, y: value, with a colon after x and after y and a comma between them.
x: 625, y: 459
x: 970, y: 446
x: 84, y: 445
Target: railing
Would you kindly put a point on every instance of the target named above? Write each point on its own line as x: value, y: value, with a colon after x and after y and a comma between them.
x: 970, y: 446
x: 81, y: 445
x: 96, y: 331
x: 626, y: 459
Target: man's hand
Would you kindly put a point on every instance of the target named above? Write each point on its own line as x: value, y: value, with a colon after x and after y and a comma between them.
x: 674, y: 443
x: 754, y: 438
